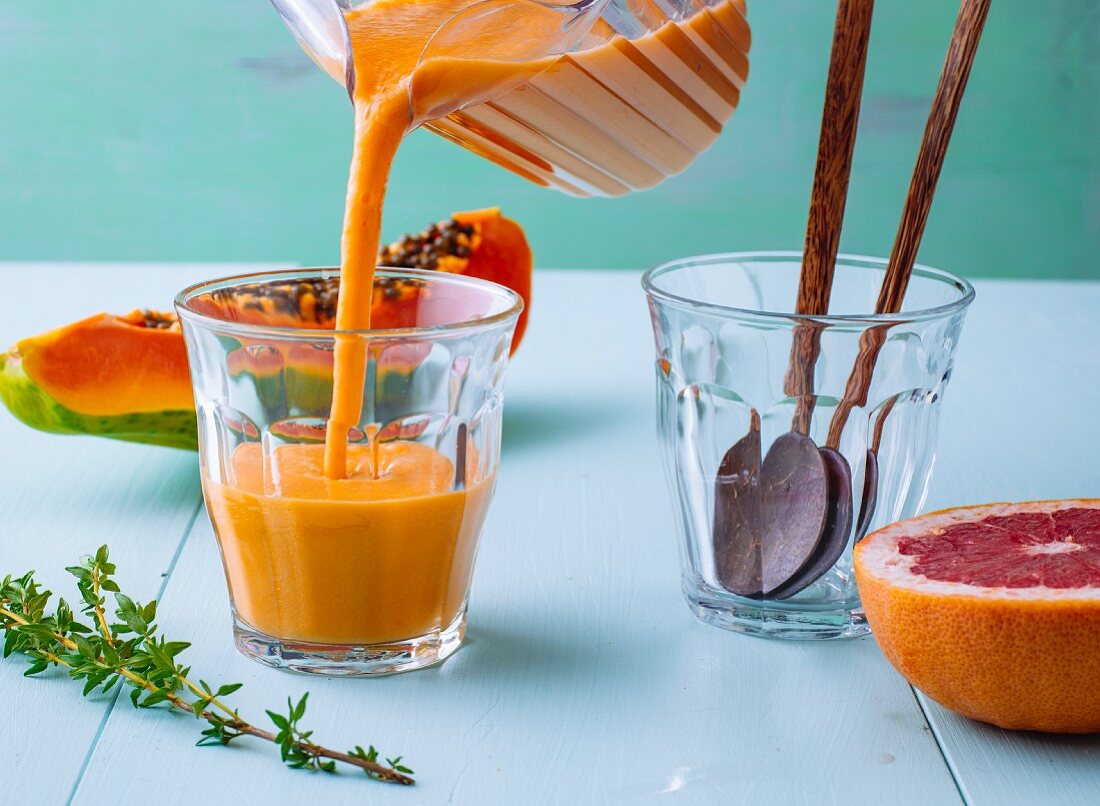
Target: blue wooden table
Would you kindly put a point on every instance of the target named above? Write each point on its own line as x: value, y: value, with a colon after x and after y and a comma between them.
x: 585, y: 679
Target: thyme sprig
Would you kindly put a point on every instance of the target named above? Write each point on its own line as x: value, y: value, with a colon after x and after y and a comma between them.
x: 129, y: 651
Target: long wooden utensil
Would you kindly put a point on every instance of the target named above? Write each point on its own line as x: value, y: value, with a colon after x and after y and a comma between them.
x: 769, y: 515
x: 918, y: 203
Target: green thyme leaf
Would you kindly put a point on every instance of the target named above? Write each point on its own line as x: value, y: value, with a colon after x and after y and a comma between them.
x: 130, y: 653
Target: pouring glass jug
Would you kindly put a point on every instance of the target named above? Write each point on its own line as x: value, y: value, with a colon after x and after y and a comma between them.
x: 626, y: 92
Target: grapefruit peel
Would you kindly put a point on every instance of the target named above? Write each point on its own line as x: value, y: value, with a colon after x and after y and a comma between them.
x: 1025, y: 656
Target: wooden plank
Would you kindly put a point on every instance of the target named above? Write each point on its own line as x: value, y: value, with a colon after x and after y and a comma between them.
x: 65, y: 496
x: 1026, y: 390
x: 585, y: 678
x: 996, y: 767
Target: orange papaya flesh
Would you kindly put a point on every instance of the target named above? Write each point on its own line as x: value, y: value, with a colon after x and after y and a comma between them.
x: 68, y: 380
x: 476, y: 243
x: 76, y: 364
x: 503, y: 256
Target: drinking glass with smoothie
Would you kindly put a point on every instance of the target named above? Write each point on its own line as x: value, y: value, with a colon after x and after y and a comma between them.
x: 368, y: 573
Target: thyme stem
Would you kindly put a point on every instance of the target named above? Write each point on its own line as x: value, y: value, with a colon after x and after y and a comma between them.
x: 107, y: 654
x: 104, y: 630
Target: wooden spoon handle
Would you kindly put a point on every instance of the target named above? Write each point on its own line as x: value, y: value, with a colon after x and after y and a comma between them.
x: 836, y: 144
x: 839, y: 122
x: 933, y: 149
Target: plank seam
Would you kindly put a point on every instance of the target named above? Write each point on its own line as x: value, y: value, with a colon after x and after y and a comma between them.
x: 120, y: 689
x: 932, y: 726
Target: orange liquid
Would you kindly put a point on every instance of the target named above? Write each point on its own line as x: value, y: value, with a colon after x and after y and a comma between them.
x: 358, y: 560
x: 387, y: 37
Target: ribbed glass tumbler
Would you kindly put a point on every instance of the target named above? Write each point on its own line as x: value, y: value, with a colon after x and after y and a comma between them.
x: 363, y: 569
x: 777, y: 467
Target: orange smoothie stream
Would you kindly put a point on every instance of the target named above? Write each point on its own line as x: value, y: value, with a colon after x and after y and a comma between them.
x: 672, y: 89
x: 387, y: 39
x: 324, y: 544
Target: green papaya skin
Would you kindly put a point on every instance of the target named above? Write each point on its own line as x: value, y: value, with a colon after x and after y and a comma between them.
x: 31, y: 405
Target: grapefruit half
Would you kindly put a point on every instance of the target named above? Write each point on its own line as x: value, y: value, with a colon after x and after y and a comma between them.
x: 993, y: 611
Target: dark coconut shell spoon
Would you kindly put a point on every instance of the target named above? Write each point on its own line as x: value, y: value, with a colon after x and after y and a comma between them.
x: 869, y: 502
x: 770, y: 515
x: 918, y: 203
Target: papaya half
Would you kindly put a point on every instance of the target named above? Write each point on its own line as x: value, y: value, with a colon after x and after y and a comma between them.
x: 123, y: 377
x: 477, y: 243
x: 126, y: 377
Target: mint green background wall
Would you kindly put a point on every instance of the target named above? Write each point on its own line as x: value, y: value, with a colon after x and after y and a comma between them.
x: 196, y: 131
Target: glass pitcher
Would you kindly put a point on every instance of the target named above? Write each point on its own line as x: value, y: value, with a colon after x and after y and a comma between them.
x: 638, y: 89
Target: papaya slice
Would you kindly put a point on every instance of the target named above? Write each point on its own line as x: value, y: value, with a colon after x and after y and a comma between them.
x: 126, y: 377
x: 123, y: 377
x: 477, y: 243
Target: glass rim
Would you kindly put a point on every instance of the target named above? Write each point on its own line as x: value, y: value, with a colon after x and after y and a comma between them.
x: 654, y: 291
x: 282, y: 331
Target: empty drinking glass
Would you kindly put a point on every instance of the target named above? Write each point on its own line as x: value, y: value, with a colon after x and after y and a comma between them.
x: 725, y: 331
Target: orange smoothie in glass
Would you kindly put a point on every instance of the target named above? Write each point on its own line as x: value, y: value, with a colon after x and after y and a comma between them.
x: 368, y: 573
x: 382, y: 555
